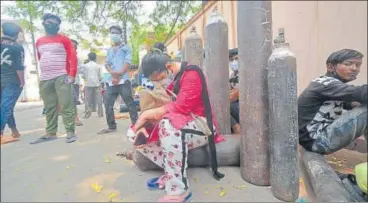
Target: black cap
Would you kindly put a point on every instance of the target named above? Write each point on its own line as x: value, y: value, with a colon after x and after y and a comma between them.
x: 51, y: 16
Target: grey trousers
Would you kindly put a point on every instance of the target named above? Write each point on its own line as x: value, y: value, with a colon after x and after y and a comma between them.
x: 111, y: 94
x: 342, y: 131
x: 94, y: 99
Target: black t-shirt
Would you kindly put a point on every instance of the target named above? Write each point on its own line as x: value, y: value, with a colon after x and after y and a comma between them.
x: 322, y: 102
x: 12, y: 60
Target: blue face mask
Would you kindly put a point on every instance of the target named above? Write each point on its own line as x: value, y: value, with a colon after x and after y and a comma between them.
x: 234, y: 65
x: 116, y: 38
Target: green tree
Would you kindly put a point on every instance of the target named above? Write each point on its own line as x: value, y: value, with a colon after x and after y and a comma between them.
x: 169, y: 16
x: 137, y: 39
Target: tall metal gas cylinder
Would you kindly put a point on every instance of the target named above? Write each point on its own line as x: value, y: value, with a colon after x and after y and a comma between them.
x: 194, y: 48
x: 255, y: 47
x: 283, y: 121
x: 216, y: 68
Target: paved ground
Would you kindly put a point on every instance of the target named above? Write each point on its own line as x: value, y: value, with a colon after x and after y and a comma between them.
x: 57, y: 171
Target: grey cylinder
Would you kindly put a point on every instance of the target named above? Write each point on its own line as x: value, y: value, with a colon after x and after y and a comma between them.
x: 228, y: 154
x: 327, y: 186
x: 194, y: 48
x: 283, y: 125
x: 255, y: 47
x: 216, y: 68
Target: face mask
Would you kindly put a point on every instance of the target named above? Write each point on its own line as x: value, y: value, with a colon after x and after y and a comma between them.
x: 51, y: 28
x: 115, y: 38
x: 234, y: 65
x: 165, y: 82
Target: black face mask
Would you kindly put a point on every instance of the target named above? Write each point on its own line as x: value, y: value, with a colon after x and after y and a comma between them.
x: 51, y: 28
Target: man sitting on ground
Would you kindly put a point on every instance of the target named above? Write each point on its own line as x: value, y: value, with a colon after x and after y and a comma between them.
x: 331, y: 113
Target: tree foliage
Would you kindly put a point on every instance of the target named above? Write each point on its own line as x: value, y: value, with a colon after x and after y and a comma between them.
x: 95, y: 17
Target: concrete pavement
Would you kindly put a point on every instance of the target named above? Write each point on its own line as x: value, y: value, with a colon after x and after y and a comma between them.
x: 56, y: 171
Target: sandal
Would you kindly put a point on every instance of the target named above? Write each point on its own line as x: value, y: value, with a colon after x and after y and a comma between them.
x: 179, y: 198
x: 8, y: 140
x: 156, y: 183
x: 106, y: 130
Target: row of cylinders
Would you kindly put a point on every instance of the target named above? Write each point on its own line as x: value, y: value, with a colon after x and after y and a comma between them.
x: 267, y: 94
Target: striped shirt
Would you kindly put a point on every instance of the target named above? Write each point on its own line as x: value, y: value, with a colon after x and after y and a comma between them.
x: 57, y: 57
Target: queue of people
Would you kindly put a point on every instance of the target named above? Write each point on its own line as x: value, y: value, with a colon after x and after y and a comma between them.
x: 331, y: 113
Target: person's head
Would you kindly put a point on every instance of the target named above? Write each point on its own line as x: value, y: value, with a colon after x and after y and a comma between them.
x: 233, y: 59
x: 75, y: 44
x: 11, y: 30
x: 345, y: 64
x: 157, y: 66
x: 116, y: 34
x: 92, y: 56
x: 161, y: 46
x: 51, y: 23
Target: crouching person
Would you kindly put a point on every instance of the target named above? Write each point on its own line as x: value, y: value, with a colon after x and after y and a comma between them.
x: 332, y: 113
x: 184, y: 123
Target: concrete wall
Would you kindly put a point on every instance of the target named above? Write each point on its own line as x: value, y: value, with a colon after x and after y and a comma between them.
x: 314, y: 29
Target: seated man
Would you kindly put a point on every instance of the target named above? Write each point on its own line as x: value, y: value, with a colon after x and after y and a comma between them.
x: 234, y: 91
x: 331, y: 113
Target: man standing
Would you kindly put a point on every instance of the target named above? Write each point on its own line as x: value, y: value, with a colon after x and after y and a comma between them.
x: 12, y: 78
x: 58, y: 67
x: 76, y: 87
x: 92, y: 76
x: 119, y: 57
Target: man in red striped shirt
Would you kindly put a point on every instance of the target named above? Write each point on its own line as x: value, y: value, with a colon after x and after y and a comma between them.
x: 58, y: 67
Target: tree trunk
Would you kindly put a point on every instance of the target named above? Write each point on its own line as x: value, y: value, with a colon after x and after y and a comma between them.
x: 34, y: 46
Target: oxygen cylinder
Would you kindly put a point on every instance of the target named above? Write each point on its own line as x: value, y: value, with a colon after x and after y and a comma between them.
x: 193, y: 48
x: 255, y: 47
x: 283, y: 121
x: 326, y: 185
x: 216, y: 68
x: 228, y: 154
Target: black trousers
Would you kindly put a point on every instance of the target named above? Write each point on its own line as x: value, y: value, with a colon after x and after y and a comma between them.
x: 111, y: 94
x: 234, y: 112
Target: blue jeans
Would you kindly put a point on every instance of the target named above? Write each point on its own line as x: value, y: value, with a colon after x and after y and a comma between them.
x: 9, y: 97
x: 342, y: 131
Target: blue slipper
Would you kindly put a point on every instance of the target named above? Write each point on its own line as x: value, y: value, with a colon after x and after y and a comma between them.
x: 153, y: 185
x: 188, y: 197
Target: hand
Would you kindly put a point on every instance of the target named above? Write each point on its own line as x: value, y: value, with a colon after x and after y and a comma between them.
x: 151, y: 114
x: 115, y: 81
x: 355, y: 104
x: 69, y: 80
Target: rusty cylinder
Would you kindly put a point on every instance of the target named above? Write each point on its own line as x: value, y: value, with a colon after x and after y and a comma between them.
x: 255, y: 47
x: 283, y: 121
x: 216, y: 67
x: 194, y: 48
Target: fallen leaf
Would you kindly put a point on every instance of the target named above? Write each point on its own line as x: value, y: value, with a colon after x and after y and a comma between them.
x: 240, y: 187
x: 334, y: 158
x: 206, y: 192
x: 222, y: 193
x: 107, y: 160
x: 112, y: 195
x: 195, y: 180
x: 218, y: 187
x: 96, y: 187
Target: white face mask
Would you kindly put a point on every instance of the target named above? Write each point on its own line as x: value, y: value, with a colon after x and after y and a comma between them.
x: 234, y: 65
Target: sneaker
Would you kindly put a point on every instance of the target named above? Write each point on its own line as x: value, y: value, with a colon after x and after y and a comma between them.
x: 44, y: 138
x: 71, y: 137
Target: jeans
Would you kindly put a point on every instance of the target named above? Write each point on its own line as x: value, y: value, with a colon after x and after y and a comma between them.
x: 111, y: 94
x: 56, y: 92
x: 342, y: 131
x: 9, y: 97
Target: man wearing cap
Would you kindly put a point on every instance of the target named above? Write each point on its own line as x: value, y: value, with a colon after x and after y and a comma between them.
x: 12, y: 78
x: 58, y: 67
x: 118, y: 60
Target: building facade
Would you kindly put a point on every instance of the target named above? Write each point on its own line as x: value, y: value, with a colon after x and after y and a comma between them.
x: 314, y: 29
